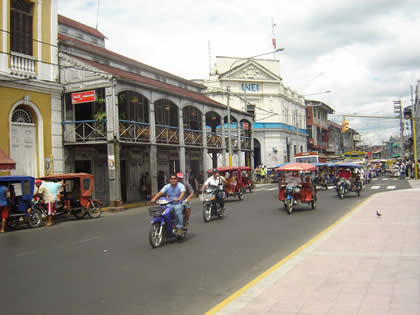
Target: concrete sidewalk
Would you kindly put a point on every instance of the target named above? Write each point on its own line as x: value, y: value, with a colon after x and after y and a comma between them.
x: 364, y: 264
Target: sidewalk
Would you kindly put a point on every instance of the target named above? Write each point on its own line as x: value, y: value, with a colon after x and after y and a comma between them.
x: 364, y: 264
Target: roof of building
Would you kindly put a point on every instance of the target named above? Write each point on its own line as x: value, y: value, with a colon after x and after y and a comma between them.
x: 77, y: 25
x: 320, y: 104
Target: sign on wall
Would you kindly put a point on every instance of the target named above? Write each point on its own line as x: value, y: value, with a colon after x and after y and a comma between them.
x: 83, y: 97
x: 245, y: 126
x: 250, y: 87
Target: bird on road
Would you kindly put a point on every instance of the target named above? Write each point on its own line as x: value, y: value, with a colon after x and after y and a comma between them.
x: 378, y: 213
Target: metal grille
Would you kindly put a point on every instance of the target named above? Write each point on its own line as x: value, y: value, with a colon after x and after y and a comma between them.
x: 21, y: 115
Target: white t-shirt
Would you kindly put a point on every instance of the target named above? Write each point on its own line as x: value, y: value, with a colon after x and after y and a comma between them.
x: 213, y: 182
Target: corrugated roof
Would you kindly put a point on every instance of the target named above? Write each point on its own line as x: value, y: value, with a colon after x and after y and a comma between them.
x: 83, y: 27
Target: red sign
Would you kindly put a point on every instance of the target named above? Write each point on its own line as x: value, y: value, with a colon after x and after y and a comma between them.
x: 245, y: 126
x: 83, y: 97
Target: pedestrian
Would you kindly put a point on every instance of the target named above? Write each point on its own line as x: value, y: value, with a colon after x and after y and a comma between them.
x: 4, y: 210
x: 44, y: 194
x: 258, y: 173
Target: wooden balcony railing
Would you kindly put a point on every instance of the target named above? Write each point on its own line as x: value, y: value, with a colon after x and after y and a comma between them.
x: 84, y: 131
x: 134, y: 131
x: 193, y: 137
x: 245, y: 143
x: 214, y: 140
x: 167, y: 134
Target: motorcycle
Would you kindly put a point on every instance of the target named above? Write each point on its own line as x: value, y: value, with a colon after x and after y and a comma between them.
x: 163, y: 224
x: 343, y: 188
x: 210, y: 206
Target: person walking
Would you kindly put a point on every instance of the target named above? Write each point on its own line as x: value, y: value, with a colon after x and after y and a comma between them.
x: 4, y: 210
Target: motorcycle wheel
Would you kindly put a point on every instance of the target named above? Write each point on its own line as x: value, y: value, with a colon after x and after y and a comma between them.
x: 12, y: 222
x: 155, y: 238
x: 250, y: 189
x: 240, y: 195
x: 79, y: 214
x: 206, y: 213
x: 95, y: 210
x: 289, y: 206
x: 313, y: 204
x: 34, y: 219
x: 221, y: 213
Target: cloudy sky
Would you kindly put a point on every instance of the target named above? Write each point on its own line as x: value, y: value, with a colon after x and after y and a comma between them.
x: 366, y: 52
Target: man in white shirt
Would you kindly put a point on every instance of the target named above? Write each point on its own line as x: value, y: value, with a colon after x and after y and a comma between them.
x: 216, y: 180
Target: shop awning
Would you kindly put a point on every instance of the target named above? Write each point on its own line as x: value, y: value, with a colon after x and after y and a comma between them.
x: 6, y: 163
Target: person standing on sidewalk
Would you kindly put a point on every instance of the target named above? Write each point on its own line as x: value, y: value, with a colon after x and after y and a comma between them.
x: 258, y: 174
x: 4, y: 210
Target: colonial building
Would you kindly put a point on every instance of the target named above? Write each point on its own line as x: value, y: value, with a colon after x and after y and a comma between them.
x: 131, y: 124
x: 30, y: 107
x: 317, y: 126
x: 335, y: 138
x: 255, y: 86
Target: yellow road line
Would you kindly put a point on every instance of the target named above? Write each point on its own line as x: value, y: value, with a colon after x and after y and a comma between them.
x: 250, y: 284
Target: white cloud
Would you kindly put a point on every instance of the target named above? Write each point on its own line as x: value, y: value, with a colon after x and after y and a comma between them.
x: 363, y: 51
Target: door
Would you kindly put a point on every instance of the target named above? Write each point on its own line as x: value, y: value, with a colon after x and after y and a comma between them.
x: 23, y: 149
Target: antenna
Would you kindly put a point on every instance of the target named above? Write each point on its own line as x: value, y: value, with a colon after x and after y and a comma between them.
x: 97, y: 15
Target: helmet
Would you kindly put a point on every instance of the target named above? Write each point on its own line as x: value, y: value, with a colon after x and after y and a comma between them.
x: 215, y: 170
x: 179, y: 175
x: 38, y: 181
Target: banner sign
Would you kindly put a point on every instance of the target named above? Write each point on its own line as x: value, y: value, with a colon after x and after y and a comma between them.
x: 83, y: 97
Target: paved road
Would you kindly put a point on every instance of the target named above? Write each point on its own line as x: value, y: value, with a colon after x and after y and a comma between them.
x: 106, y: 266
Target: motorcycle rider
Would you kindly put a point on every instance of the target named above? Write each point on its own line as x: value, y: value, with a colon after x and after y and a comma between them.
x: 175, y: 192
x: 44, y: 194
x: 216, y: 180
x: 345, y: 174
x: 189, y: 194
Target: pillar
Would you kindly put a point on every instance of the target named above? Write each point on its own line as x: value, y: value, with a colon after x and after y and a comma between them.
x: 225, y: 158
x: 238, y: 131
x: 181, y: 140
x: 204, y: 151
x: 153, y: 150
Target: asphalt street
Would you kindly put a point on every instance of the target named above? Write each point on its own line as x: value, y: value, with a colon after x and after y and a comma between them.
x: 106, y: 265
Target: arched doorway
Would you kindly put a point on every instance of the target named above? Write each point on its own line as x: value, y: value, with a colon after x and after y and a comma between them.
x: 23, y: 141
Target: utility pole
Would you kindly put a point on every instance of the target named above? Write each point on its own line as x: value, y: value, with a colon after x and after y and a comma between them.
x: 399, y: 113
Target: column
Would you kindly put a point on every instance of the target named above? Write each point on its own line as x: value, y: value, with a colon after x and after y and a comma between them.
x: 181, y: 140
x: 204, y: 151
x: 113, y: 147
x: 224, y: 155
x: 238, y: 131
x: 252, y: 148
x: 153, y: 149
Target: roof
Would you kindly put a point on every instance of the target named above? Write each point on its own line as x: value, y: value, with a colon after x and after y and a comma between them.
x: 6, y: 163
x: 77, y: 25
x: 319, y: 104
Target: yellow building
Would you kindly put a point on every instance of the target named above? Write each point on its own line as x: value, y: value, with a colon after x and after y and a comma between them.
x: 30, y: 95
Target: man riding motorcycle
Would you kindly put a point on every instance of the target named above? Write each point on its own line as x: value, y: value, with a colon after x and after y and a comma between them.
x: 189, y: 194
x: 216, y: 180
x: 175, y: 192
x: 345, y: 175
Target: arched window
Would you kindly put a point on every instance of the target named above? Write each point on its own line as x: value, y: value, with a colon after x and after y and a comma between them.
x: 22, y: 115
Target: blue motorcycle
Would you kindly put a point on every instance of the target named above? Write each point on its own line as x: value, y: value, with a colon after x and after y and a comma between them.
x: 163, y: 224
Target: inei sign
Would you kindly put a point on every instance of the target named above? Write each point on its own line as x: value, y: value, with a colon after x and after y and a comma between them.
x: 83, y: 97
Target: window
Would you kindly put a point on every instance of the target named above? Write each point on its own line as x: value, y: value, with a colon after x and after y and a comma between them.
x: 21, y: 26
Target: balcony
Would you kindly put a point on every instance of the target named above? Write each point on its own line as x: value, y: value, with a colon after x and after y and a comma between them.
x: 193, y: 137
x: 84, y: 131
x: 167, y: 134
x: 22, y: 65
x: 214, y: 140
x: 245, y: 143
x: 134, y: 131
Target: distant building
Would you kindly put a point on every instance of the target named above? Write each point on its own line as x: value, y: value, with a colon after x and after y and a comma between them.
x: 255, y: 86
x: 317, y: 126
x: 335, y: 138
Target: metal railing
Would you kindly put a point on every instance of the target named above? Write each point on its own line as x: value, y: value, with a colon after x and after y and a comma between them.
x: 134, y: 131
x: 84, y: 131
x: 214, y: 140
x: 167, y: 134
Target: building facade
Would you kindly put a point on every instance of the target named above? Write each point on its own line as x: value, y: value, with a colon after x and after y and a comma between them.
x: 317, y: 126
x: 30, y: 94
x: 255, y: 86
x: 133, y: 125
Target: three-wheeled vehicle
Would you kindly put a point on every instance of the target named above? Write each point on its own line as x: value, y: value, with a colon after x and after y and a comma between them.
x: 77, y: 195
x: 233, y: 187
x: 325, y: 175
x: 246, y: 178
x: 21, y: 190
x: 296, y: 186
x: 351, y: 184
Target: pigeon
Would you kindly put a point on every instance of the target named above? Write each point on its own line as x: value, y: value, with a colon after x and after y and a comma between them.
x: 378, y: 213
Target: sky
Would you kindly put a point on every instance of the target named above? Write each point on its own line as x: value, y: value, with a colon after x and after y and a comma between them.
x: 365, y: 52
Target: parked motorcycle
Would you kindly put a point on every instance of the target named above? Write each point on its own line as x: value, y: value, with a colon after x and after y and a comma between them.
x: 211, y: 207
x: 163, y: 224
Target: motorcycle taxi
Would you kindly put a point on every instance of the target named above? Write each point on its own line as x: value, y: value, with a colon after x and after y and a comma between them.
x: 21, y: 189
x: 296, y: 186
x: 76, y: 198
x: 246, y: 181
x: 234, y: 185
x: 349, y: 179
x: 325, y: 175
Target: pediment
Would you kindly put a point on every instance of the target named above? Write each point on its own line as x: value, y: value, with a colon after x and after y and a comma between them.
x: 252, y: 71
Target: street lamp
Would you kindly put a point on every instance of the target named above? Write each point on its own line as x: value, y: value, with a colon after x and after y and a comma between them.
x: 325, y: 92
x: 228, y: 96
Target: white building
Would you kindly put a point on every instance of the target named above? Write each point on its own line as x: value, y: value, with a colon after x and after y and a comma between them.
x: 255, y: 85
